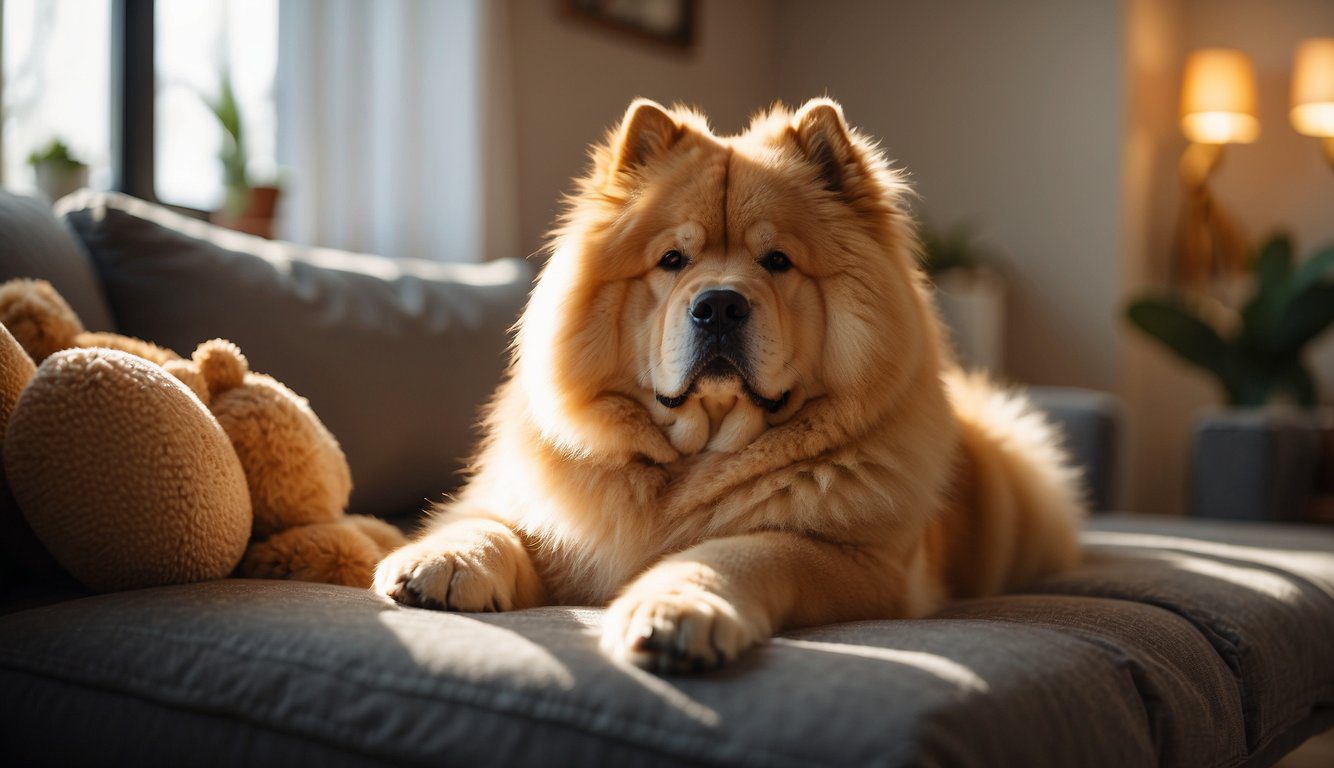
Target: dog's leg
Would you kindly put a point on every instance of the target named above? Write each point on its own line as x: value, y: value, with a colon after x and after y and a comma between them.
x: 701, y: 607
x: 463, y: 562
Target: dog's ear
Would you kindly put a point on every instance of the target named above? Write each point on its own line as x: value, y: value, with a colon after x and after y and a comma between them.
x: 646, y: 132
x: 822, y: 135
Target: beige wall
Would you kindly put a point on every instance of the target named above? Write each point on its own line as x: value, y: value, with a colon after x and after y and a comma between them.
x: 572, y: 82
x: 1008, y: 115
x: 1159, y: 393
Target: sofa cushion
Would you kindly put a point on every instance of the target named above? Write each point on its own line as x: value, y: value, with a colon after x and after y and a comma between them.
x: 1263, y: 596
x: 395, y: 356
x: 1056, y: 679
x: 35, y: 244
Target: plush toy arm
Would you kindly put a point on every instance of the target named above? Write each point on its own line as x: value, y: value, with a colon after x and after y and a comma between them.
x: 385, y: 535
x: 332, y: 553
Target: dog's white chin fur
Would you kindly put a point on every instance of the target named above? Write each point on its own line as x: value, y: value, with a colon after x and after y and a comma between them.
x: 718, y: 416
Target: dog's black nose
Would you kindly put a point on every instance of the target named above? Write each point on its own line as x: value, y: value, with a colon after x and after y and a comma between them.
x: 719, y: 310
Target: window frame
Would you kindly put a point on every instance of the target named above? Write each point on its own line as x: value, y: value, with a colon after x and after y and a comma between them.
x: 133, y: 97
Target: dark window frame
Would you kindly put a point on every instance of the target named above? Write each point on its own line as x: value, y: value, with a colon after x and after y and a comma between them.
x: 133, y: 94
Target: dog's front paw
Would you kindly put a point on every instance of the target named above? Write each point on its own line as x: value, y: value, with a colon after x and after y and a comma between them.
x: 683, y: 628
x: 478, y: 576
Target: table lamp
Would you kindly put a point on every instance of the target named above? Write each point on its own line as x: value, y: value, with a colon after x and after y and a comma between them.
x: 1313, y: 91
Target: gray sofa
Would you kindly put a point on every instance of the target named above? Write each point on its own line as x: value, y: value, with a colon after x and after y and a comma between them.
x: 1178, y: 642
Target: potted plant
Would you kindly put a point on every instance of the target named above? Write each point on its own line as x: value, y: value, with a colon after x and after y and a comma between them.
x: 970, y: 293
x: 58, y: 172
x: 1253, y: 462
x: 1255, y: 354
x: 248, y: 207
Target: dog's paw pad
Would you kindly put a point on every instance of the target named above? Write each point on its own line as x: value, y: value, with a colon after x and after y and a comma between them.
x: 422, y: 576
x: 690, y: 630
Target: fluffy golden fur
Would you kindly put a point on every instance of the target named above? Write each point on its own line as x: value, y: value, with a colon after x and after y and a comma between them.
x: 815, y: 458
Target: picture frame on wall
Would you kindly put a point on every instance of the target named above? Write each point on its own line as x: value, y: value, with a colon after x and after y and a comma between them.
x: 670, y: 23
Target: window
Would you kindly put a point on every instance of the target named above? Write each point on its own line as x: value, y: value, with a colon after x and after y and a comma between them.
x: 57, y: 85
x: 60, y: 78
x: 198, y: 47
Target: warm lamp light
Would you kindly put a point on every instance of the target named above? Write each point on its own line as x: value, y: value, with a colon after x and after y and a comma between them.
x: 1218, y: 98
x: 1217, y: 108
x: 1313, y: 91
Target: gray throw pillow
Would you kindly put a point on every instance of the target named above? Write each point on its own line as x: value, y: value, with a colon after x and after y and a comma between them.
x: 395, y: 356
x: 35, y: 244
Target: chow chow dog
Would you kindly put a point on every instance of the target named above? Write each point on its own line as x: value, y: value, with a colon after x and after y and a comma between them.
x: 732, y: 410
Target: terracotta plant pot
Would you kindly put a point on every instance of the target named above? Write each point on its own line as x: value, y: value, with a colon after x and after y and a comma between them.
x: 258, y: 214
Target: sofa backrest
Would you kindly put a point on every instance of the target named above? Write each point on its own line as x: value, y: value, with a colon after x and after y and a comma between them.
x: 35, y: 244
x: 395, y: 356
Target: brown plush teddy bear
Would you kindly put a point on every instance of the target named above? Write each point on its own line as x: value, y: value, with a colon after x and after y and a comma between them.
x: 136, y: 467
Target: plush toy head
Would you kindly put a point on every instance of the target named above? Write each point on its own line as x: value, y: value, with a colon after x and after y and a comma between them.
x: 296, y: 472
x: 298, y: 477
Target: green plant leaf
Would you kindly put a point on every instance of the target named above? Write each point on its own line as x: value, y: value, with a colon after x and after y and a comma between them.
x: 1305, y: 317
x: 1272, y: 266
x: 1178, y: 328
x: 233, y: 153
x: 1311, y: 271
x: 55, y: 152
x: 957, y: 247
x: 1274, y: 261
x: 1297, y: 381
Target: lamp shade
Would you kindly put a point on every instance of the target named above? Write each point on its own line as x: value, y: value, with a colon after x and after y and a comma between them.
x: 1313, y: 87
x: 1218, y: 98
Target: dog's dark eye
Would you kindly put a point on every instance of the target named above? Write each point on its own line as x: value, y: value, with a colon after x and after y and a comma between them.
x: 672, y: 261
x: 776, y: 261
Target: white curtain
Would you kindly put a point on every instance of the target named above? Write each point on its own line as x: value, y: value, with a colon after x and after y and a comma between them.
x: 395, y: 127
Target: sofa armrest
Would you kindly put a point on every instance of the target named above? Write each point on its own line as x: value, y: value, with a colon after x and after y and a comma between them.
x: 1091, y: 423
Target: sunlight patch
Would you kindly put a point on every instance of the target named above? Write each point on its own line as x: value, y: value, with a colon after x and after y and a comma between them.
x: 946, y: 669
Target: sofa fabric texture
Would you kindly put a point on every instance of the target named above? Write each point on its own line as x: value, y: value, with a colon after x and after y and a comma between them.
x: 1177, y: 644
x: 380, y: 347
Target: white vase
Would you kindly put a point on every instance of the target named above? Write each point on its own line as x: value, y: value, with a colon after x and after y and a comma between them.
x: 972, y: 305
x: 55, y: 180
